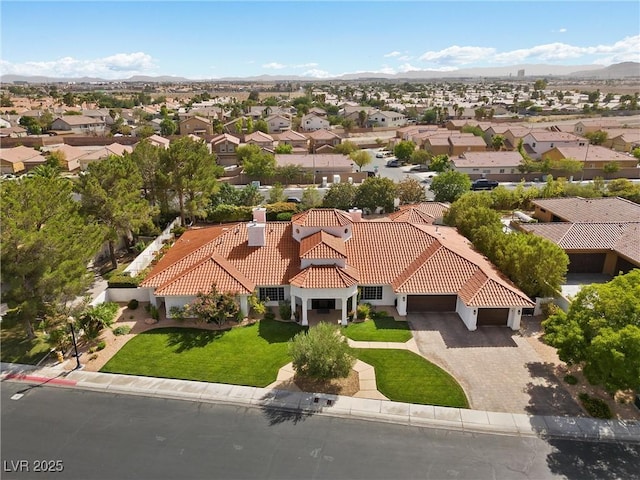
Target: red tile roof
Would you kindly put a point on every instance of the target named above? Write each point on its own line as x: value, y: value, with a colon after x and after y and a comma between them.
x: 577, y: 209
x: 425, y: 212
x: 322, y: 217
x: 322, y: 245
x: 326, y: 276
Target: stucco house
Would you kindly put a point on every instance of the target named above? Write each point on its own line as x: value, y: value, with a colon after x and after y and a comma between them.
x: 328, y: 259
x: 600, y: 235
x: 79, y: 124
x: 298, y: 141
x: 592, y: 156
x: 196, y: 126
x: 278, y: 123
x: 20, y: 158
x: 382, y: 118
x: 225, y: 146
x: 323, y: 140
x: 261, y: 139
x: 312, y: 122
x: 542, y: 141
x: 487, y: 163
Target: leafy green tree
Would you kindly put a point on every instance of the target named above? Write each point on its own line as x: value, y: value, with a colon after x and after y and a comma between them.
x: 249, y: 196
x: 404, y: 149
x: 46, y: 246
x: 284, y: 148
x: 147, y: 157
x: 191, y: 172
x: 311, y: 197
x: 340, y: 195
x: 167, y: 127
x: 570, y: 166
x: 624, y: 188
x: 321, y: 353
x: 69, y: 99
x: 421, y: 157
x: 410, y: 191
x: 110, y: 195
x: 276, y: 193
x: 497, y: 142
x: 611, y: 168
x: 440, y: 163
x: 636, y: 153
x: 261, y: 126
x: 144, y: 131
x: 449, y: 186
x: 602, y: 329
x: 226, y: 194
x: 346, y: 147
x: 361, y: 158
x: 376, y: 192
x: 290, y: 173
x: 477, y: 131
x: 261, y: 165
x: 31, y: 125
x: 245, y: 151
x: 597, y: 138
x: 250, y: 126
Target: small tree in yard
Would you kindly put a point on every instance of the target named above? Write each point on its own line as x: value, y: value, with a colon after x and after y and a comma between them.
x: 213, y: 307
x: 321, y: 353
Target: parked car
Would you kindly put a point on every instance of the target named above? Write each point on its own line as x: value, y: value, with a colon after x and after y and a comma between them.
x: 293, y: 200
x: 483, y: 184
x: 420, y: 168
x: 370, y: 173
x: 393, y: 163
x: 388, y: 154
x: 380, y: 155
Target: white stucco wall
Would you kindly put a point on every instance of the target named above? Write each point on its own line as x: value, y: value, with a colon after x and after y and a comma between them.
x: 125, y: 294
x: 302, y: 232
x: 469, y: 315
x: 176, y: 302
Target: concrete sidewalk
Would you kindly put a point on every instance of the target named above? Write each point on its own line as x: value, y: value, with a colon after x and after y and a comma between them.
x: 333, y: 405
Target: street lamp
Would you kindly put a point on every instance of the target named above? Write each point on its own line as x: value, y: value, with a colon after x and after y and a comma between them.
x: 71, y: 321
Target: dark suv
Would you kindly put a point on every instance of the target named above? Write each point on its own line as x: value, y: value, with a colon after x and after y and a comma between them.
x: 483, y: 184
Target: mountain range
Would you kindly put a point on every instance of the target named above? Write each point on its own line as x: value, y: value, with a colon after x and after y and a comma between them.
x: 616, y: 71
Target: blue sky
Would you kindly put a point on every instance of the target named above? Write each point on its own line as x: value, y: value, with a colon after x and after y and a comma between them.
x: 215, y: 39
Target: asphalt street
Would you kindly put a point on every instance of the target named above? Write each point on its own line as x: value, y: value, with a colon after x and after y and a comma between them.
x: 81, y: 434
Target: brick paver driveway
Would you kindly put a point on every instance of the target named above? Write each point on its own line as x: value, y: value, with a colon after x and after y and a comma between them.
x: 499, y: 369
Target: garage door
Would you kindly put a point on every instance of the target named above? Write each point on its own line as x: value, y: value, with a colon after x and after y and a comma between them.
x: 586, y: 262
x: 493, y: 316
x: 431, y: 303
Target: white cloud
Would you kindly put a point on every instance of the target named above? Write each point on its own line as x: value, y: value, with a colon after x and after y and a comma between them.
x: 562, y: 30
x: 274, y: 65
x: 625, y: 50
x: 119, y: 65
x: 407, y: 67
x: 305, y: 65
x: 316, y: 73
x: 392, y: 54
x: 456, y: 55
x: 405, y: 58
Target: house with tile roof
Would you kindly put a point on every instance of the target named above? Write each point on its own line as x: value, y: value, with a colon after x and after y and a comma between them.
x: 600, y: 235
x: 225, y: 146
x: 312, y: 122
x: 592, y: 156
x: 329, y: 259
x: 323, y: 140
x: 487, y: 163
x: 20, y: 158
x: 79, y: 124
x: 298, y: 141
x: 543, y: 140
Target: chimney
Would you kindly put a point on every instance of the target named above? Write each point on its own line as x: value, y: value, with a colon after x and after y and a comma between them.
x: 256, y: 234
x: 356, y: 214
x: 259, y: 214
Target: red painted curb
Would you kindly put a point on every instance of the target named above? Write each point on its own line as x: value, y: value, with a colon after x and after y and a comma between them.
x: 44, y: 380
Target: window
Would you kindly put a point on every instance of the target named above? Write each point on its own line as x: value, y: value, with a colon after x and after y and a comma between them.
x: 372, y: 293
x: 502, y: 170
x: 274, y: 294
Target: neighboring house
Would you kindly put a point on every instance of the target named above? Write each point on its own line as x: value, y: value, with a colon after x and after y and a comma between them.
x: 225, y: 146
x: 486, y: 163
x: 327, y: 259
x: 589, y: 126
x: 101, y: 114
x: 600, y: 235
x: 459, y: 144
x: 311, y: 123
x: 321, y: 112
x: 298, y: 141
x: 13, y: 132
x: 20, y: 158
x: 321, y: 164
x: 159, y: 141
x: 101, y: 153
x: 493, y: 130
x: 79, y: 124
x: 592, y: 156
x: 261, y: 139
x: 626, y: 141
x: 542, y: 141
x: 382, y: 118
x: 196, y: 126
x: 278, y: 123
x: 513, y: 136
x: 323, y: 140
x: 437, y: 144
x: 70, y: 154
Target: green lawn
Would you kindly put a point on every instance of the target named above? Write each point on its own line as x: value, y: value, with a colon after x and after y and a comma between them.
x: 17, y: 348
x: 403, y: 376
x: 250, y: 355
x: 381, y: 328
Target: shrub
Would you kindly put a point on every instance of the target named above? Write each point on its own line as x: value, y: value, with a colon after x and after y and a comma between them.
x: 256, y: 305
x: 123, y: 280
x: 154, y: 312
x: 229, y: 213
x: 101, y: 345
x: 595, y: 407
x: 570, y: 379
x: 121, y: 330
x: 284, y: 217
x: 269, y: 315
x: 213, y: 307
x: 362, y: 311
x: 178, y: 230
x: 285, y: 310
x: 321, y: 353
x: 275, y: 209
x: 139, y: 247
x: 94, y: 319
x: 133, y: 304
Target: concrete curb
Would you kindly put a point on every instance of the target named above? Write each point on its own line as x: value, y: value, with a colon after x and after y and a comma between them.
x: 475, y: 421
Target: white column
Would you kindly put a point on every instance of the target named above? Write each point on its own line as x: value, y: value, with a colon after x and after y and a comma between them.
x: 244, y: 305
x: 293, y: 307
x: 344, y: 311
x: 305, y: 322
x: 354, y: 302
x: 401, y: 306
x: 515, y: 314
